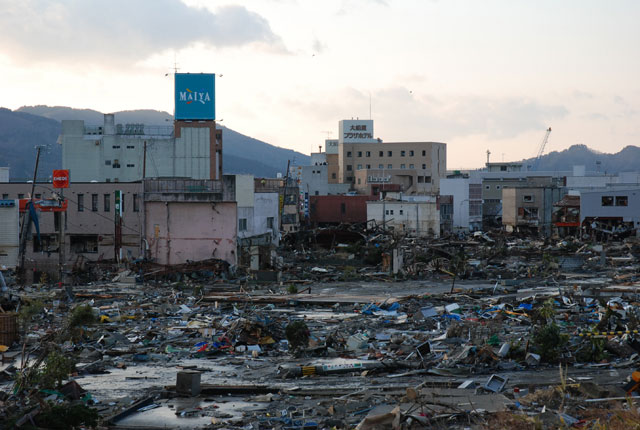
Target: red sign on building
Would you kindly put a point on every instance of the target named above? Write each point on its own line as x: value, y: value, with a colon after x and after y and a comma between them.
x: 61, y: 179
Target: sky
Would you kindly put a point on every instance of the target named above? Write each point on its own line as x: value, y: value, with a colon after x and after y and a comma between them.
x: 476, y: 74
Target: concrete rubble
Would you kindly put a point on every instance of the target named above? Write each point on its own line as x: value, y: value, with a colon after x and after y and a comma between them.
x: 365, y: 330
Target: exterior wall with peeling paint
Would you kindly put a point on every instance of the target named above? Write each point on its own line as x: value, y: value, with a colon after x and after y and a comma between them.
x: 194, y: 231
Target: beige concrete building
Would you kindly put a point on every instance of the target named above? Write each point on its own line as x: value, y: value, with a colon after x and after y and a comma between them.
x: 417, y: 166
x: 530, y: 208
x: 366, y: 162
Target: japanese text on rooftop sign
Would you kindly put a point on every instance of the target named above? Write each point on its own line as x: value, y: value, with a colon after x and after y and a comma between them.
x: 195, y: 96
x: 356, y: 131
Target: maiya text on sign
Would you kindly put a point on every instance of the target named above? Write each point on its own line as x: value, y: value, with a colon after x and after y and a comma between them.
x: 195, y: 96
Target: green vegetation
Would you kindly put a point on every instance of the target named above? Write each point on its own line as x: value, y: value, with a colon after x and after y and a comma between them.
x: 548, y: 341
x: 297, y: 334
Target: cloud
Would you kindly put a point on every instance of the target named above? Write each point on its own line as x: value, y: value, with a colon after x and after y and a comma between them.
x: 404, y: 114
x: 348, y: 6
x: 318, y: 47
x: 122, y: 30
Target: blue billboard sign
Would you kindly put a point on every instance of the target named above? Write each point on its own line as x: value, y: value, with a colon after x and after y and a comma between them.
x: 195, y: 96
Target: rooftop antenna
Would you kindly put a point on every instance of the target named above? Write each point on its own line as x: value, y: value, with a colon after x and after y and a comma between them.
x: 328, y: 134
x: 488, y: 154
x: 175, y: 63
x: 370, y: 105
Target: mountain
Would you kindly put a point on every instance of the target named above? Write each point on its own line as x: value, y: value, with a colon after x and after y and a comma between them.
x: 20, y: 130
x: 93, y: 117
x: 20, y: 133
x: 627, y: 160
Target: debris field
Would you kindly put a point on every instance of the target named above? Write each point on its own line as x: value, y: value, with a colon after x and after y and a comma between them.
x: 365, y: 331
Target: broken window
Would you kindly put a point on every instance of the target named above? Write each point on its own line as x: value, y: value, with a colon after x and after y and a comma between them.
x: 80, y: 202
x: 622, y: 201
x: 94, y: 202
x: 242, y: 224
x: 527, y: 198
x: 107, y: 203
x: 270, y: 220
x: 607, y: 200
x: 343, y: 208
x: 47, y: 243
x: 421, y: 179
x: 84, y: 243
x: 528, y: 214
x: 475, y: 208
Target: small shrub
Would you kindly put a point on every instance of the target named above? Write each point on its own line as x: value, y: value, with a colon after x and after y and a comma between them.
x: 29, y: 310
x: 292, y: 289
x: 297, y: 334
x: 67, y: 416
x: 56, y: 369
x: 81, y: 315
x: 548, y: 342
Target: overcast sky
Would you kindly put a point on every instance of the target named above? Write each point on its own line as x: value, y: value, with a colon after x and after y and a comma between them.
x: 478, y: 75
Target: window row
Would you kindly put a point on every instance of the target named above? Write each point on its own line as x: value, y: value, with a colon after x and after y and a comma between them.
x: 5, y: 196
x: 381, y: 166
x: 390, y: 212
x: 615, y: 200
x: 106, y: 202
x: 116, y: 164
x: 403, y: 153
x: 242, y: 223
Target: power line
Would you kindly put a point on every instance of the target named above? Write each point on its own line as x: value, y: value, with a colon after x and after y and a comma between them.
x: 88, y: 212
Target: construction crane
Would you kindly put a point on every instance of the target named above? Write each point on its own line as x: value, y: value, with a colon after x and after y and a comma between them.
x: 545, y: 139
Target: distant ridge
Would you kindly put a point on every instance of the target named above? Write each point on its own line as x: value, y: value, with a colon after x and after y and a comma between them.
x: 627, y: 160
x: 22, y: 129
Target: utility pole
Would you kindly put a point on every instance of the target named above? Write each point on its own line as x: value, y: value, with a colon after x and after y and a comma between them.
x: 61, y: 245
x: 284, y: 195
x: 27, y: 216
x: 118, y: 226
